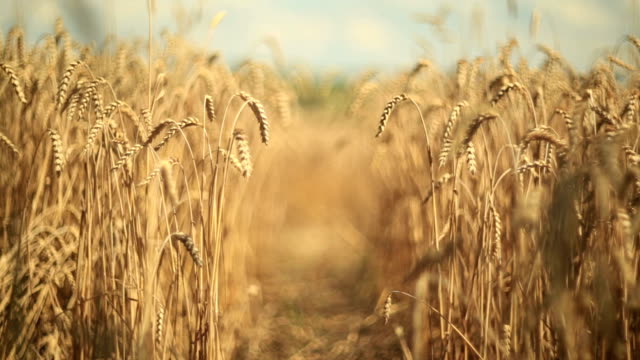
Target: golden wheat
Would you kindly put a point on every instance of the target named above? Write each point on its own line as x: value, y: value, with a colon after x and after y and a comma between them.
x: 388, y: 109
x: 260, y: 114
x: 447, y: 140
x: 188, y: 243
x: 64, y: 83
x: 209, y: 107
x: 244, y: 155
x: 59, y: 158
x: 169, y: 183
x: 13, y: 78
x: 8, y: 143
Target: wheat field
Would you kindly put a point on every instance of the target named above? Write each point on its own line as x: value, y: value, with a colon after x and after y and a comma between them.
x: 160, y: 203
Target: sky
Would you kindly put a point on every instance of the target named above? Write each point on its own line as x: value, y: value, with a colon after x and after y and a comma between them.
x: 348, y: 34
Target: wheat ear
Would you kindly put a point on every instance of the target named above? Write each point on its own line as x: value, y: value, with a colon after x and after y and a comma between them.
x: 437, y: 185
x: 475, y: 125
x: 210, y: 109
x: 244, y: 155
x: 543, y: 134
x: 64, y: 83
x: 187, y: 122
x: 13, y: 78
x: 630, y: 110
x: 131, y: 152
x: 188, y: 243
x: 447, y: 140
x: 497, y: 233
x: 169, y: 184
x: 93, y: 134
x: 159, y: 325
x: 283, y: 107
x: 233, y: 160
x: 386, y: 311
x: 8, y: 143
x: 156, y: 130
x: 635, y: 41
x: 58, y: 151
x: 621, y: 63
x: 260, y: 114
x: 388, y: 109
x: 155, y: 172
x: 505, y: 90
x: 472, y: 164
x: 538, y: 164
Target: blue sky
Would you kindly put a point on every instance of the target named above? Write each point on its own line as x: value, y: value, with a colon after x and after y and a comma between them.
x: 348, y: 34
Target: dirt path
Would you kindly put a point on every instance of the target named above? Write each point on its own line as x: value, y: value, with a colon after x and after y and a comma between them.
x: 316, y: 284
x: 316, y: 304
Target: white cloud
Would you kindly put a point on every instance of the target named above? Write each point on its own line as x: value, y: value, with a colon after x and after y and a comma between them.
x: 298, y: 33
x: 368, y: 35
x: 44, y: 12
x: 577, y: 12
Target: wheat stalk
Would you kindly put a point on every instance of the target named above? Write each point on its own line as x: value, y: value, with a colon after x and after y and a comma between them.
x: 244, y: 155
x: 210, y: 109
x: 437, y: 185
x: 260, y: 115
x: 131, y: 152
x: 233, y: 160
x: 447, y: 140
x: 538, y: 164
x: 472, y: 165
x: 8, y: 143
x: 388, y: 109
x: 160, y: 325
x: 475, y: 125
x: 156, y: 130
x: 635, y: 41
x: 168, y: 182
x: 147, y: 118
x: 73, y: 106
x: 631, y: 108
x: 362, y: 93
x: 187, y: 122
x: 188, y: 243
x: 283, y: 106
x: 90, y: 92
x: 462, y: 73
x: 111, y: 108
x: 58, y: 151
x: 506, y: 339
x: 386, y: 312
x: 421, y: 64
x: 15, y: 82
x: 155, y: 172
x: 619, y: 62
x: 64, y: 83
x: 497, y: 232
x: 606, y: 116
x: 93, y: 134
x: 505, y: 90
x: 505, y: 56
x: 543, y: 134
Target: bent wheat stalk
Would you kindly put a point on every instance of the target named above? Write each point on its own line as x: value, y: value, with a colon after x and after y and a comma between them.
x: 188, y: 243
x: 15, y: 83
x: 8, y: 143
x: 388, y: 109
